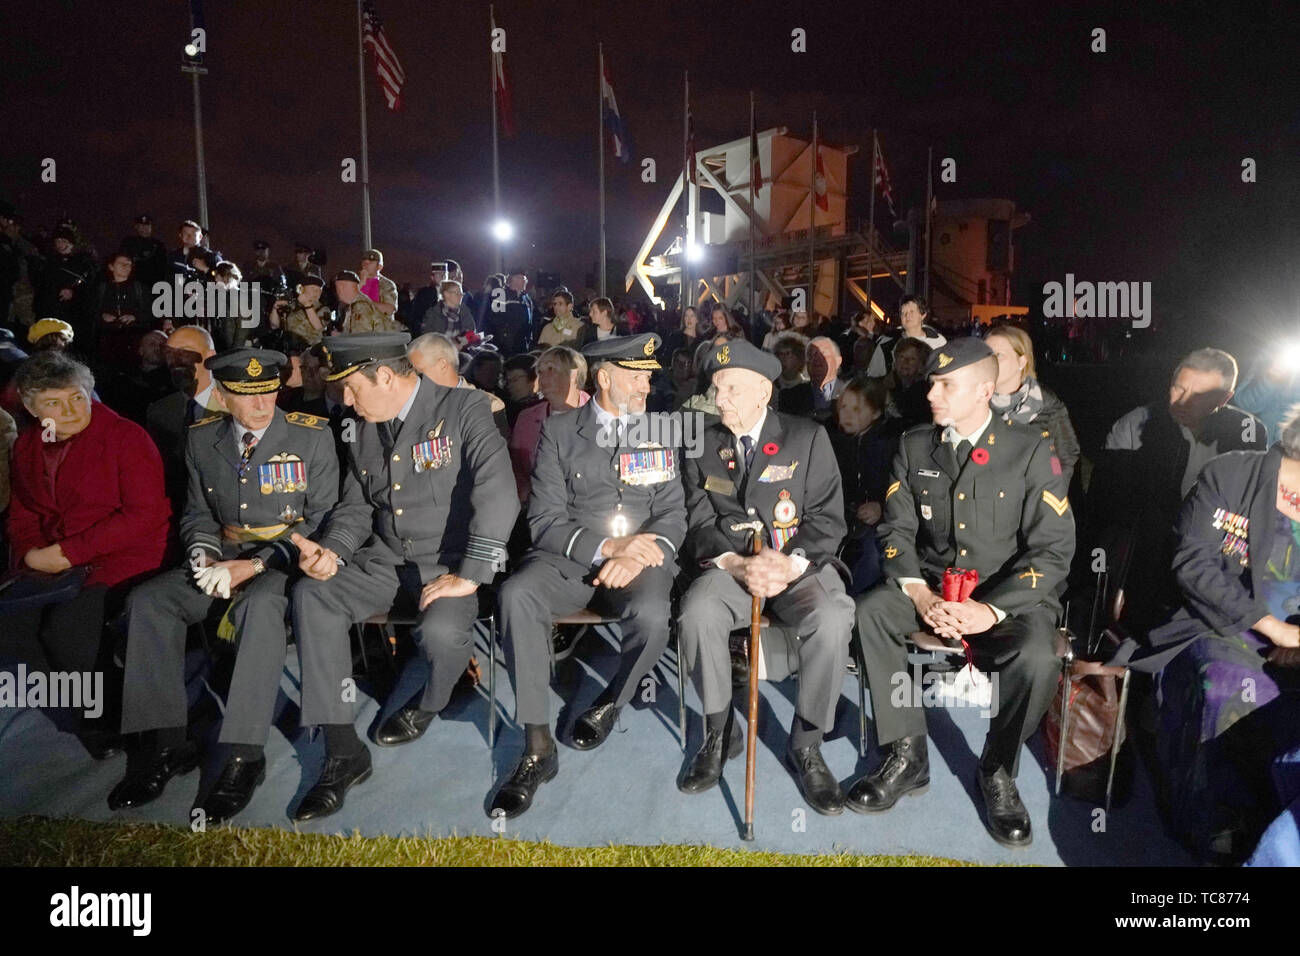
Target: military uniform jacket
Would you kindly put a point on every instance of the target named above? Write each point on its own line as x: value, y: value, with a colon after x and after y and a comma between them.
x: 1004, y: 514
x: 443, y: 499
x: 363, y: 315
x: 291, y: 479
x: 578, y: 490
x: 793, y: 486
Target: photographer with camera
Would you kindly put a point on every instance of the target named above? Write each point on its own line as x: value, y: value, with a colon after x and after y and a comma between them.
x: 305, y: 315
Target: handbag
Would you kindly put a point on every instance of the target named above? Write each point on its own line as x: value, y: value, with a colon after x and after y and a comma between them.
x: 1094, y: 731
x: 26, y: 589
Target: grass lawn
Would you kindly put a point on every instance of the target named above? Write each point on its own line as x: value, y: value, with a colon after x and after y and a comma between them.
x: 38, y: 841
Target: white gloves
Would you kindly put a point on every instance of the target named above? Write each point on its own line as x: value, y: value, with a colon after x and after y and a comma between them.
x: 213, y: 581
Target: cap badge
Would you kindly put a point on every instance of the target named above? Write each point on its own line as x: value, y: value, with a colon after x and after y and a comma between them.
x: 944, y: 360
x: 254, y: 367
x: 725, y: 355
x: 649, y: 347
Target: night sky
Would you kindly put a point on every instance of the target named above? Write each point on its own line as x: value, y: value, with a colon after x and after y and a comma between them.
x: 1129, y: 162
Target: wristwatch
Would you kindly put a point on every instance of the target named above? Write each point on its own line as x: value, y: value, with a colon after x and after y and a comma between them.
x: 258, y: 565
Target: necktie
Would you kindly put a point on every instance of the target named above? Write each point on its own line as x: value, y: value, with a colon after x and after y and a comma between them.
x: 747, y: 442
x: 386, y: 437
x: 963, y: 452
x: 250, y: 442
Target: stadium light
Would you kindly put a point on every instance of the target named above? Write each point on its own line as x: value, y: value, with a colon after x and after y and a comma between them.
x: 502, y: 231
x: 694, y: 252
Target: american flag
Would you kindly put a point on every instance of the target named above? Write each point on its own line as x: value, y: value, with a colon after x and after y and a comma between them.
x: 389, y: 70
x: 882, y: 180
x: 500, y: 87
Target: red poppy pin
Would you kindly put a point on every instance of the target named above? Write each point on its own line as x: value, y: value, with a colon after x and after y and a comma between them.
x: 771, y: 448
x: 980, y: 456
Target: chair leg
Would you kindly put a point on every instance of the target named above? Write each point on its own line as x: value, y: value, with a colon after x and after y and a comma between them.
x: 492, y: 681
x: 1118, y: 740
x: 360, y: 630
x: 1065, y: 726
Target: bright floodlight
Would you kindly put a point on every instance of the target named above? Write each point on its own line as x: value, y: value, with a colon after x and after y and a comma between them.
x: 191, y: 49
x: 694, y: 253
x: 502, y: 231
x: 1288, y: 356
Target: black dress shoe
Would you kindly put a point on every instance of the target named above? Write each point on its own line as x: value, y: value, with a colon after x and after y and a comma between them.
x: 564, y: 638
x: 1007, y: 819
x: 406, y: 725
x: 906, y: 769
x: 340, y: 775
x: 591, y: 729
x: 146, y: 784
x: 705, y: 769
x: 820, y: 788
x: 516, y: 794
x: 233, y: 789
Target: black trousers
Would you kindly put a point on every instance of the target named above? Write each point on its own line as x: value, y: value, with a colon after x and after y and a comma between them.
x: 1019, y: 654
x: 62, y: 637
x: 547, y: 586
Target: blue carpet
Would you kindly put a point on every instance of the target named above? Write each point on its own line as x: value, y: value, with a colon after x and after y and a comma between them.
x: 624, y: 792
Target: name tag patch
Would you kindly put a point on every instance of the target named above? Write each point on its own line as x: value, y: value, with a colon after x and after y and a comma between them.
x: 719, y: 485
x: 926, y: 473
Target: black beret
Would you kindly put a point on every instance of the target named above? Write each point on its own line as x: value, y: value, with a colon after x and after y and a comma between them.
x: 347, y: 275
x: 144, y: 220
x: 301, y: 247
x: 312, y: 279
x: 261, y: 244
x: 738, y: 353
x: 957, y: 353
x: 636, y: 352
x: 344, y: 354
x: 247, y: 371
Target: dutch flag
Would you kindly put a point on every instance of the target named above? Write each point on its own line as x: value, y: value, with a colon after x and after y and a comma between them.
x: 613, y: 121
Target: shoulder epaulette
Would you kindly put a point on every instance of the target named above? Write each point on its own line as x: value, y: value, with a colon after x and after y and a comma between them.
x: 207, y: 421
x: 307, y: 421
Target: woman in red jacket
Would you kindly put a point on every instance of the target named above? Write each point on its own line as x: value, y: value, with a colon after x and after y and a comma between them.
x: 87, y: 491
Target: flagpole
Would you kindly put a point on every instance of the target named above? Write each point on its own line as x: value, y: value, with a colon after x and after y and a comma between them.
x: 600, y: 116
x: 365, y: 148
x: 753, y: 138
x: 812, y: 226
x: 496, y: 168
x: 871, y: 218
x: 929, y: 198
x: 689, y: 161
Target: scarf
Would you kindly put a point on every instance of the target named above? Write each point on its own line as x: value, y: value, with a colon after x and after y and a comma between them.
x: 1021, y: 406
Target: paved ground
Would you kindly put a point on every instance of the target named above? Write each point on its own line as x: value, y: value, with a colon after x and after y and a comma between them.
x: 624, y: 792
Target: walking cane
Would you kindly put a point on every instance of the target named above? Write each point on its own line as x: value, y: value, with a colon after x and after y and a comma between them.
x: 751, y: 749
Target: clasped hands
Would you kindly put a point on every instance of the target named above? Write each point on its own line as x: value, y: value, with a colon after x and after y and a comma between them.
x: 763, y: 575
x: 951, y: 619
x: 626, y: 557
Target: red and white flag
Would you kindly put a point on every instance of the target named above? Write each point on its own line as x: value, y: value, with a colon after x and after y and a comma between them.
x: 500, y: 87
x: 882, y: 180
x: 387, y: 68
x: 819, y: 184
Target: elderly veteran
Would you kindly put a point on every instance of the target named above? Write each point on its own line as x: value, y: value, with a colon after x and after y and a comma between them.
x: 607, y: 518
x: 86, y: 492
x: 427, y: 505
x: 256, y: 476
x: 968, y: 492
x: 774, y: 474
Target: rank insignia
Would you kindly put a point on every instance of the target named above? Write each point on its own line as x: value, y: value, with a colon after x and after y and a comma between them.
x: 724, y: 356
x: 891, y: 551
x: 778, y: 472
x: 431, y: 454
x: 785, y: 520
x: 284, y: 473
x: 1059, y: 505
x: 648, y: 466
x: 892, y: 488
x: 1033, y: 577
